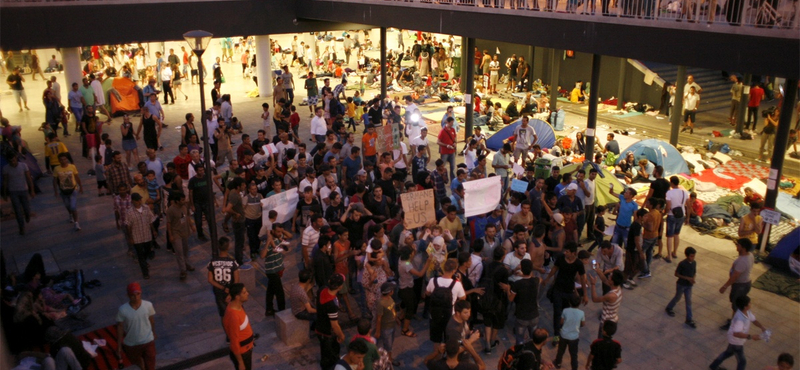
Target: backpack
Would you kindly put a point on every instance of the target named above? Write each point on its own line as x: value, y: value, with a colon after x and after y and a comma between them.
x: 441, y: 301
x: 510, y: 358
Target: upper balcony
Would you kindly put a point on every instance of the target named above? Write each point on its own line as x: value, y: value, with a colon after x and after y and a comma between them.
x: 757, y: 36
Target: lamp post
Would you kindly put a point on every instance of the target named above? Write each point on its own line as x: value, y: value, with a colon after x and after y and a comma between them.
x: 198, y: 41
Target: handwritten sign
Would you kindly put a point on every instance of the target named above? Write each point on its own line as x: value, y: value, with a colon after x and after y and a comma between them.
x: 418, y: 208
x: 519, y: 185
x: 389, y: 138
x: 771, y: 217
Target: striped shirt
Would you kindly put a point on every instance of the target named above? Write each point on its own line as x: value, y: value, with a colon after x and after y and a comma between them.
x: 611, y: 310
x: 139, y: 220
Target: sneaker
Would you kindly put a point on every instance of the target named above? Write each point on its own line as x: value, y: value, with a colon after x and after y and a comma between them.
x: 645, y: 275
x: 726, y: 326
x: 632, y: 282
x: 245, y: 267
x: 627, y: 286
x: 669, y: 312
x: 691, y: 324
x: 555, y: 341
x: 77, y: 226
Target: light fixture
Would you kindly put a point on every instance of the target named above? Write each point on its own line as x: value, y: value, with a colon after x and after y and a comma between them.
x: 198, y: 40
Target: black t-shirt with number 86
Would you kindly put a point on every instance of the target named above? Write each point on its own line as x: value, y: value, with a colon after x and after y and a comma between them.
x: 223, y: 268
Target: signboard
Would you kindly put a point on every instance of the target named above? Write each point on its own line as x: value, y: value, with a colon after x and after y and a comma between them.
x: 418, y: 208
x: 482, y: 196
x: 771, y: 217
x: 284, y: 203
x: 389, y: 138
x: 519, y: 185
x: 518, y: 170
x: 270, y: 149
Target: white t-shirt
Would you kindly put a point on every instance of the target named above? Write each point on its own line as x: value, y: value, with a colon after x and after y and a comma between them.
x: 677, y: 197
x: 417, y: 141
x: 524, y: 137
x: 512, y: 261
x: 304, y: 183
x: 166, y: 74
x: 318, y: 126
x: 137, y: 323
x: 589, y: 193
x: 324, y: 193
x: 740, y: 324
x: 492, y: 65
x: 458, y: 289
x: 100, y: 98
x: 396, y: 154
x: 470, y: 156
x: 690, y: 101
x: 282, y: 148
x: 212, y: 125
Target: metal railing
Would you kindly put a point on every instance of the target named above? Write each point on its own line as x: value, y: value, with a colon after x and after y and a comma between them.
x: 765, y: 14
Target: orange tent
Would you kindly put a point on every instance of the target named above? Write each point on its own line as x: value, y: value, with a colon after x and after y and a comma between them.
x: 123, y: 96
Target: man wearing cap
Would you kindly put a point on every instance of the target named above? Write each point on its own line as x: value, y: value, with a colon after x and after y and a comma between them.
x: 328, y: 331
x: 139, y: 222
x: 237, y: 328
x: 136, y: 325
x: 571, y: 207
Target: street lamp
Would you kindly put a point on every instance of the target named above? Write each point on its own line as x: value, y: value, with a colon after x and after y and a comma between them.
x: 198, y: 41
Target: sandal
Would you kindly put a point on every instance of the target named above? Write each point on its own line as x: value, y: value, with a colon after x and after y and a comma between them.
x: 409, y: 333
x: 657, y: 256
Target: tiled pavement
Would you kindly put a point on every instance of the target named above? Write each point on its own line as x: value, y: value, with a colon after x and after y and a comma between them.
x: 188, y: 325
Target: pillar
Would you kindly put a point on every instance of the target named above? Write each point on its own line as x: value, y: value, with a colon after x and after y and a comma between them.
x: 466, y: 58
x: 555, y: 64
x: 591, y: 119
x: 779, y: 152
x: 264, y: 65
x: 623, y: 64
x: 469, y: 75
x: 529, y: 60
x: 740, y: 112
x: 384, y: 83
x: 538, y: 63
x: 677, y: 107
x: 73, y: 73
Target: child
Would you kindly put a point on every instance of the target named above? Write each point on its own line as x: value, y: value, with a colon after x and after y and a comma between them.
x: 294, y: 121
x: 611, y: 349
x: 599, y: 226
x: 52, y: 149
x: 572, y: 320
x: 107, y: 152
x: 102, y: 150
x: 153, y: 189
x: 350, y: 113
x: 386, y: 320
x: 46, y: 129
x: 265, y: 118
x: 685, y: 273
x: 363, y: 327
x: 100, y: 175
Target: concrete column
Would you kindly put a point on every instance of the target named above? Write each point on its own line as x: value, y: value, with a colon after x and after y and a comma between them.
x: 529, y: 60
x: 264, y: 65
x: 555, y: 64
x: 469, y: 75
x: 623, y: 64
x: 384, y: 76
x: 537, y: 63
x: 591, y: 119
x: 466, y: 57
x: 740, y: 112
x: 71, y: 58
x: 677, y: 107
x: 779, y: 152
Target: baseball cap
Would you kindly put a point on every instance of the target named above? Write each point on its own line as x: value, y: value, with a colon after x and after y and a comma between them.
x: 361, y: 173
x: 572, y: 187
x: 558, y: 218
x: 134, y: 287
x: 387, y: 288
x: 290, y: 164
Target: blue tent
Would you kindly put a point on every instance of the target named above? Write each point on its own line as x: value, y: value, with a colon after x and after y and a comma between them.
x: 545, y: 134
x: 661, y: 153
x: 780, y: 254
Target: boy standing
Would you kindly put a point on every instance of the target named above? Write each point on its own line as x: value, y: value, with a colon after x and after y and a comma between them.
x: 605, y: 353
x: 572, y: 320
x: 685, y: 273
x: 599, y: 227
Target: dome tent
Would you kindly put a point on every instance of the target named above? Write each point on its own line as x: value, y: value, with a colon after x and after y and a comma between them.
x: 782, y: 252
x: 544, y: 132
x: 661, y: 153
x: 602, y: 183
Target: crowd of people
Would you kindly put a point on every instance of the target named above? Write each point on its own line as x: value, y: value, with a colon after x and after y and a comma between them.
x: 488, y: 271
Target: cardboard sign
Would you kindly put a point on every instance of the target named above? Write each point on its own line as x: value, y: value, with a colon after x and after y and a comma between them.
x: 771, y: 217
x: 519, y: 185
x: 284, y: 203
x: 418, y: 208
x: 389, y: 138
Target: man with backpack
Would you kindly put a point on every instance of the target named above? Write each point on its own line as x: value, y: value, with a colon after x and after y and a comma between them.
x: 526, y: 356
x: 443, y: 292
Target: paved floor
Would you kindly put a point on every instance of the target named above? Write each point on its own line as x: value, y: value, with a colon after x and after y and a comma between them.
x: 188, y: 325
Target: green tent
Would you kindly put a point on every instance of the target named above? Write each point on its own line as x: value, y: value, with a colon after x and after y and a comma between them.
x: 601, y: 184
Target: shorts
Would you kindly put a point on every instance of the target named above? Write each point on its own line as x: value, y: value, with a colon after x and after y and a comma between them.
x: 493, y: 78
x: 438, y: 328
x: 194, y: 72
x: 674, y: 226
x: 70, y: 200
x: 386, y: 341
x: 312, y: 100
x: 176, y: 83
x: 128, y: 145
x: 409, y: 302
x: 738, y: 290
x: 20, y: 95
x: 102, y: 184
x: 518, y: 151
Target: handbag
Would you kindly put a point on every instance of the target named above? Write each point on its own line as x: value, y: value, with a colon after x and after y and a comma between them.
x: 678, y: 211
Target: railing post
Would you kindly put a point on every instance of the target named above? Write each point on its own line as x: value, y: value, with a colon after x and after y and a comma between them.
x: 555, y: 64
x: 470, y: 91
x: 383, y: 69
x: 677, y: 107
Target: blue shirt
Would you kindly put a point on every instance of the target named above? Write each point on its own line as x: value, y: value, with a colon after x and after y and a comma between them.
x: 454, y: 184
x: 353, y: 165
x: 455, y: 202
x: 573, y: 318
x: 154, y: 109
x: 626, y: 211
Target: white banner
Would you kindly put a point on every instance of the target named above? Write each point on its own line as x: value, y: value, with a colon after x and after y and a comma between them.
x: 284, y: 203
x: 481, y: 196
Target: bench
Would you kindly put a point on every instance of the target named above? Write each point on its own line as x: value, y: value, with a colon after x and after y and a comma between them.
x: 292, y: 331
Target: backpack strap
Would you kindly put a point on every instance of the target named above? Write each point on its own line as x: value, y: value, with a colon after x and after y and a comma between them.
x: 452, y: 284
x: 435, y: 282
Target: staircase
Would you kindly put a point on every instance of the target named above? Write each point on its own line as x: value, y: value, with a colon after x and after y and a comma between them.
x: 716, y: 89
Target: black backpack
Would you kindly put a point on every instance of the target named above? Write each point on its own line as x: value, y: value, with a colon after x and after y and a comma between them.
x: 441, y: 301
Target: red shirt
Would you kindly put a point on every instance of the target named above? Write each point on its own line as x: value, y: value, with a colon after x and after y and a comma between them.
x: 294, y: 119
x: 756, y: 94
x: 697, y: 207
x: 448, y: 137
x: 182, y: 166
